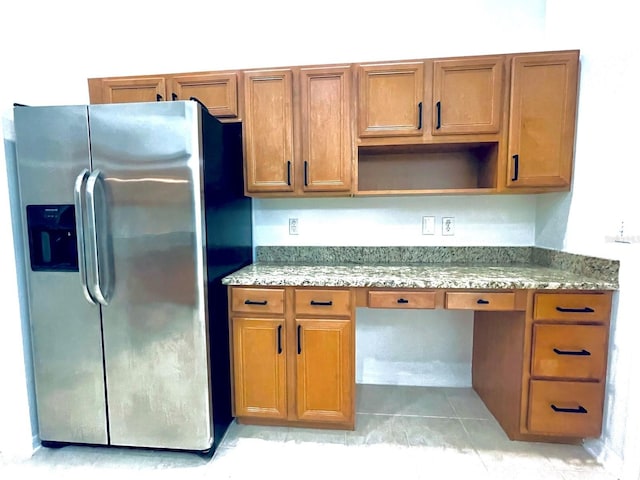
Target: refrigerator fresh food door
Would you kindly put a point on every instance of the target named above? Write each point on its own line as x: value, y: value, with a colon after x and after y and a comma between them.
x: 52, y: 146
x: 147, y: 200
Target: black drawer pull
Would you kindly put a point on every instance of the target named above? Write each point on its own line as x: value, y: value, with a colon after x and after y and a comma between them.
x: 438, y: 116
x: 516, y: 165
x: 289, y: 173
x: 575, y: 310
x: 580, y: 409
x: 420, y: 116
x: 403, y: 300
x: 321, y: 304
x: 279, y: 339
x: 255, y: 302
x: 299, y: 339
x: 482, y: 301
x: 581, y: 353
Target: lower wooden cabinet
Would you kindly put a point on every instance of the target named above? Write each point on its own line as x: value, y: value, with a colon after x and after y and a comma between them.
x: 293, y: 362
x: 324, y: 380
x: 259, y: 367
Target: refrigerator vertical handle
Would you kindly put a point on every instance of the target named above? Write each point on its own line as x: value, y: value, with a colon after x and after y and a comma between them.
x: 95, y: 287
x: 78, y: 188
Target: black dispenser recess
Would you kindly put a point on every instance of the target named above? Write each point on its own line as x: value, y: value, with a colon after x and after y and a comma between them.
x: 52, y: 238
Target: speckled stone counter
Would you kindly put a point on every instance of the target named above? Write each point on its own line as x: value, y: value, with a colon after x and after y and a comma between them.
x: 473, y: 268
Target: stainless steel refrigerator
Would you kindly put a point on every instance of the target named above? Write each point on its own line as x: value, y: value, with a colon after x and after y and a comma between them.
x: 131, y: 213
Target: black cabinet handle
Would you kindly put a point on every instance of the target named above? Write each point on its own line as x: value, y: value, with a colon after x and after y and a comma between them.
x: 420, y: 116
x: 255, y: 302
x: 174, y: 97
x: 279, y: 339
x: 321, y: 304
x: 516, y: 166
x: 575, y: 310
x: 482, y: 301
x: 158, y: 97
x: 581, y: 353
x: 438, y: 116
x: 306, y: 173
x: 403, y: 300
x: 289, y: 173
x: 299, y: 339
x: 580, y: 409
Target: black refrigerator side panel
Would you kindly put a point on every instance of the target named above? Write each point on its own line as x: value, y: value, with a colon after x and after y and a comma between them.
x: 229, y: 247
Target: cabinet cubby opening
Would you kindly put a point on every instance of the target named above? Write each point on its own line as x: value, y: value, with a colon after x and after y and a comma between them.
x: 441, y: 168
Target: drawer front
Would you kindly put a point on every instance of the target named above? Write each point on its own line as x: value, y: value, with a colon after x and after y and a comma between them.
x: 569, y: 351
x: 310, y: 301
x: 590, y: 307
x: 572, y: 409
x: 480, y: 300
x: 257, y: 300
x: 401, y: 299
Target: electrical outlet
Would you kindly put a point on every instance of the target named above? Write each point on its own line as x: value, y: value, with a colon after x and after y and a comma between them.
x: 448, y: 226
x: 428, y: 225
x: 293, y: 226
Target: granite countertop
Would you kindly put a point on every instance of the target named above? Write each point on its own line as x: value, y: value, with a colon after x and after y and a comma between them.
x: 474, y: 268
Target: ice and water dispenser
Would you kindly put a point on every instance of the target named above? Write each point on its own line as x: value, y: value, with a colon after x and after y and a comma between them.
x: 52, y: 238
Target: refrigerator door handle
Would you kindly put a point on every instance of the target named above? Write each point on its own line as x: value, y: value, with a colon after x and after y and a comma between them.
x: 95, y: 286
x: 78, y: 188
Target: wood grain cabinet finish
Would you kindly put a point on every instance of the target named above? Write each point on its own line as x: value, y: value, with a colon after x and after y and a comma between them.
x: 391, y: 99
x: 325, y: 115
x: 268, y: 131
x: 542, y: 120
x: 401, y: 299
x: 128, y: 90
x: 324, y: 370
x: 477, y: 301
x: 218, y: 91
x: 259, y: 366
x: 582, y: 307
x: 467, y: 96
x: 310, y: 154
x: 293, y: 362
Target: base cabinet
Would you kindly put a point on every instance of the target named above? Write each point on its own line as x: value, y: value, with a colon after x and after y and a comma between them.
x: 293, y: 356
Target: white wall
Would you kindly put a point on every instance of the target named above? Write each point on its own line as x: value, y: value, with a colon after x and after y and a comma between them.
x: 605, y: 193
x: 67, y: 41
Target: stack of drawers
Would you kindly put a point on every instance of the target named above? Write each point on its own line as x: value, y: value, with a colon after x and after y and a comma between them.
x: 568, y: 363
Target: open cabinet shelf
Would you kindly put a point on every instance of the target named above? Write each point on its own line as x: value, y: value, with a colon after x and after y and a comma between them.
x: 427, y: 169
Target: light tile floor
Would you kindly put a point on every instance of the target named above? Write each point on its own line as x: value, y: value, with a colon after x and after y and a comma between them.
x: 401, y: 433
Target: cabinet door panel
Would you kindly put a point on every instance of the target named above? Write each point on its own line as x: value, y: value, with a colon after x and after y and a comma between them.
x: 324, y: 375
x: 218, y: 91
x: 467, y: 96
x: 542, y: 125
x: 259, y: 367
x: 390, y: 99
x: 325, y: 96
x: 130, y: 90
x: 268, y: 131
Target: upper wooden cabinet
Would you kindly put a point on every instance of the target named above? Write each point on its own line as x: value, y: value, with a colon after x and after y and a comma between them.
x: 314, y: 153
x: 460, y: 125
x: 542, y: 120
x: 467, y: 96
x: 390, y: 99
x: 268, y: 131
x: 325, y: 139
x: 217, y: 90
x: 127, y: 90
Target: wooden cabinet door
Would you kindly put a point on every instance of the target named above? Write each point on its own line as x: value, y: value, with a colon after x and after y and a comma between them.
x: 259, y: 367
x: 268, y: 131
x: 324, y: 370
x: 467, y: 96
x: 542, y: 120
x: 325, y: 95
x: 128, y: 90
x: 390, y: 99
x: 218, y: 91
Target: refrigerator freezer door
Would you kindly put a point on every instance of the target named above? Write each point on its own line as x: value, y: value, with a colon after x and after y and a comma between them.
x: 52, y: 146
x: 155, y: 323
